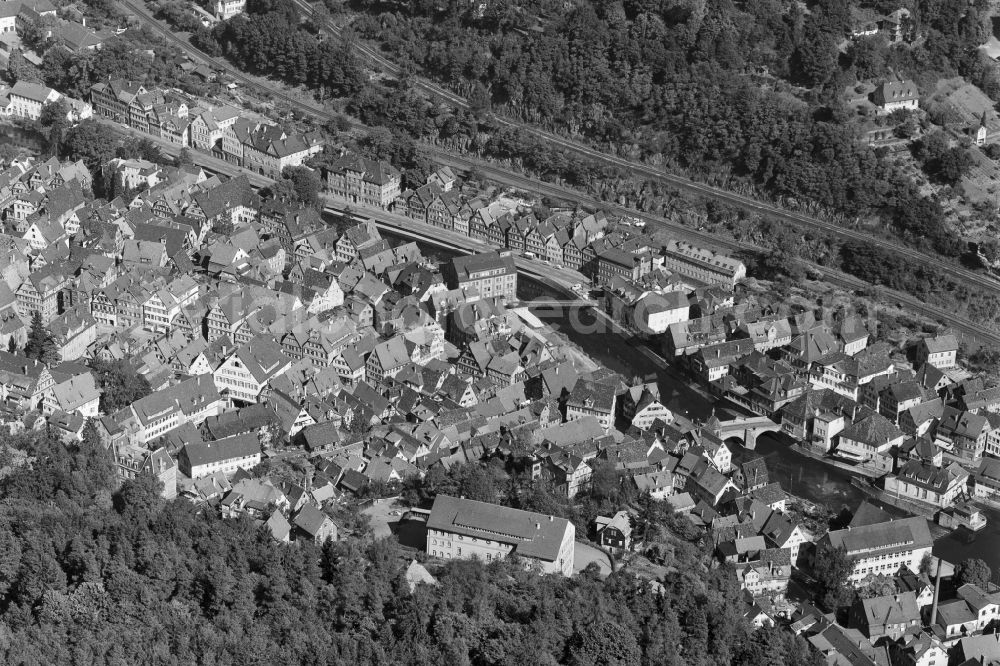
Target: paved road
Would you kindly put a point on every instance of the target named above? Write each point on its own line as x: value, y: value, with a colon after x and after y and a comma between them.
x: 554, y: 276
x: 561, y: 277
x: 964, y: 275
x: 972, y: 332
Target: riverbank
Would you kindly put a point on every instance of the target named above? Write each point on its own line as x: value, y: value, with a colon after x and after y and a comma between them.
x: 631, y: 359
x: 904, y: 504
x: 854, y: 470
x: 804, y: 474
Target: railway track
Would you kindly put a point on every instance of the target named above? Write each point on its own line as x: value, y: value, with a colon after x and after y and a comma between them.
x: 680, y: 182
x: 977, y: 332
x: 959, y: 273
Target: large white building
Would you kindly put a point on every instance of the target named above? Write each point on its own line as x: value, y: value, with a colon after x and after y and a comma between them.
x: 881, y: 548
x: 702, y: 264
x: 461, y: 528
x: 199, y: 459
x: 27, y: 99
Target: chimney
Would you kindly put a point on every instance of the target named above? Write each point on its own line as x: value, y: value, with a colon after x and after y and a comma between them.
x: 538, y: 526
x: 937, y: 594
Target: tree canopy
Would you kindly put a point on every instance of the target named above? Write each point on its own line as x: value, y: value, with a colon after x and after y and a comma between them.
x: 975, y: 571
x: 94, y: 572
x: 832, y: 568
x: 40, y: 344
x: 120, y: 384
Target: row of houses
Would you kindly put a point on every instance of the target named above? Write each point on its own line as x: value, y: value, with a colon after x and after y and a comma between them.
x: 579, y: 241
x: 224, y: 131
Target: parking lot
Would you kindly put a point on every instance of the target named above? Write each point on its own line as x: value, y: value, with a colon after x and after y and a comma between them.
x: 383, y: 513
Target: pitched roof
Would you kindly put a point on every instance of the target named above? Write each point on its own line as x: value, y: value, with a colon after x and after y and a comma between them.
x: 892, y: 536
x: 310, y: 519
x: 32, y: 91
x: 898, y: 608
x: 941, y: 343
x: 531, y: 534
x: 874, y: 429
x: 376, y: 172
x: 237, y: 446
x: 278, y: 525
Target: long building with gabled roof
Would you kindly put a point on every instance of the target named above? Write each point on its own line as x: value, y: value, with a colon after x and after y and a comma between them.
x: 881, y: 548
x: 461, y: 528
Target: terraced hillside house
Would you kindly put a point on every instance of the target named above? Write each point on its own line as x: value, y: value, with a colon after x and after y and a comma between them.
x: 227, y: 9
x: 133, y: 461
x: 941, y: 351
x: 895, y: 95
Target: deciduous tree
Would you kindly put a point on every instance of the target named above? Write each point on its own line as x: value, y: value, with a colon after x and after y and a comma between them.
x: 974, y: 571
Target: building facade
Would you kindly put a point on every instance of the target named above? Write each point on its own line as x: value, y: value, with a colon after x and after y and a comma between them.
x: 460, y: 528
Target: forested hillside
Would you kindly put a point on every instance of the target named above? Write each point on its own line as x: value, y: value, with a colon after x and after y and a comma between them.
x: 94, y: 575
x: 755, y: 87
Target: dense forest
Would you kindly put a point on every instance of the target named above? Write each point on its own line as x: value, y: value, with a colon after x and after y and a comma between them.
x: 699, y: 84
x: 96, y: 574
x: 752, y: 90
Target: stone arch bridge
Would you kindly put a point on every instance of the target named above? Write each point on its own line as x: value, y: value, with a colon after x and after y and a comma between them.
x: 746, y: 429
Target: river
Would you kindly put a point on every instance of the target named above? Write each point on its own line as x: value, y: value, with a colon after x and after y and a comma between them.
x: 798, y: 474
x: 591, y: 334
